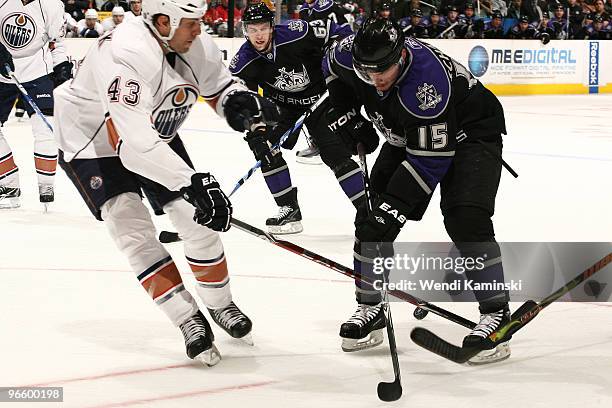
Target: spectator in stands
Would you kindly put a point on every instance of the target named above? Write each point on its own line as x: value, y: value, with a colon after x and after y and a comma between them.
x: 495, y: 27
x: 514, y: 10
x: 111, y: 4
x: 523, y: 30
x: 576, y: 15
x: 89, y: 27
x: 76, y: 8
x: 485, y: 7
x: 135, y: 9
x: 499, y: 5
x: 216, y: 18
x: 608, y: 7
x: 114, y: 20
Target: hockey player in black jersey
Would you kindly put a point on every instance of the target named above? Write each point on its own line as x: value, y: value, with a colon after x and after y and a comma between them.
x: 285, y: 61
x: 318, y: 12
x: 442, y: 127
x: 523, y: 30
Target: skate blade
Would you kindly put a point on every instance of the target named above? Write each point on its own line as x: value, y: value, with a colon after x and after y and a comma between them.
x: 312, y: 160
x: 8, y: 203
x: 289, y: 228
x: 500, y: 353
x: 375, y: 338
x: 45, y: 207
x: 209, y: 357
x: 248, y: 339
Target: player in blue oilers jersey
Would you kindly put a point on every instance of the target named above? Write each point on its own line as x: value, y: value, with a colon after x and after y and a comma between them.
x: 442, y: 127
x: 317, y: 12
x: 285, y: 61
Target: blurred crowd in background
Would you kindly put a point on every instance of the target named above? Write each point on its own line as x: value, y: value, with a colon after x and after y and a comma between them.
x: 516, y: 19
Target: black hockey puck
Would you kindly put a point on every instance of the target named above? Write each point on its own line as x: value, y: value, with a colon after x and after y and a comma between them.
x: 420, y: 313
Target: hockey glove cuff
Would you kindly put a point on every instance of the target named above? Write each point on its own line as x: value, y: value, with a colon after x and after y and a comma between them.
x: 62, y: 72
x: 243, y: 109
x: 259, y: 145
x: 5, y: 58
x: 384, y: 222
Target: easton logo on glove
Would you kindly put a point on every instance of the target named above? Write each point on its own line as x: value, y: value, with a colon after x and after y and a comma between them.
x: 386, y: 207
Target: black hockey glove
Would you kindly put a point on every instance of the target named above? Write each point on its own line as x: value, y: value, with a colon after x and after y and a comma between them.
x: 213, y: 208
x: 259, y: 145
x: 5, y: 58
x: 545, y: 38
x: 352, y: 128
x: 61, y: 73
x: 243, y: 109
x: 384, y: 222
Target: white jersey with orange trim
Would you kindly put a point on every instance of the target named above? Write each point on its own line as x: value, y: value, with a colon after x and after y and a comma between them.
x: 127, y: 99
x: 27, y: 32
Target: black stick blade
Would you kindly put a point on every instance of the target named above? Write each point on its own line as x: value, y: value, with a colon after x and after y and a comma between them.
x: 389, y: 391
x: 430, y: 341
x: 166, y: 237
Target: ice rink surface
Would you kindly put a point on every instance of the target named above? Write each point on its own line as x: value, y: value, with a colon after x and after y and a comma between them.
x: 72, y: 314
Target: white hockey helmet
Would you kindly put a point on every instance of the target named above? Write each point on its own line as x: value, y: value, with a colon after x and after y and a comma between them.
x: 175, y: 10
x: 118, y: 11
x: 91, y: 13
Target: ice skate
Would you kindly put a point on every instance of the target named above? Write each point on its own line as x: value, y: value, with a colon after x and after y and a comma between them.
x: 19, y: 114
x: 309, y: 155
x: 478, y: 337
x: 9, y: 197
x: 287, y: 221
x: 364, y: 329
x: 199, y: 340
x: 234, y: 322
x: 46, y: 194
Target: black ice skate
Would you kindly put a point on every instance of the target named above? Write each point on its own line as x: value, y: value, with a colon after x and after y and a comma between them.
x: 287, y: 221
x: 9, y: 197
x: 364, y: 329
x: 199, y: 340
x: 234, y: 322
x: 19, y: 113
x: 479, y: 338
x: 46, y: 195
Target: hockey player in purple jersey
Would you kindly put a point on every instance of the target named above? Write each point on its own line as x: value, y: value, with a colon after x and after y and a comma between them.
x: 443, y: 127
x: 285, y: 61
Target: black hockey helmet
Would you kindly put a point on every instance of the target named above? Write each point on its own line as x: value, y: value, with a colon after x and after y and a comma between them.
x: 257, y: 13
x: 377, y: 46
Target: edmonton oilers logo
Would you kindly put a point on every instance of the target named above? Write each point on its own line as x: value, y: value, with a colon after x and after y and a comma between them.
x: 478, y: 61
x: 173, y: 110
x: 18, y: 30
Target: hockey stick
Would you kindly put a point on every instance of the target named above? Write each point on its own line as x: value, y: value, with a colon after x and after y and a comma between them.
x: 167, y: 237
x: 447, y: 30
x: 344, y: 270
x: 297, y: 126
x: 523, y: 315
x: 27, y: 96
x: 387, y: 391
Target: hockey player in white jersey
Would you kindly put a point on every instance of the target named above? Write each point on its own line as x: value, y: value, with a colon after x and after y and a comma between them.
x: 117, y: 133
x: 89, y: 27
x: 116, y: 18
x: 31, y: 44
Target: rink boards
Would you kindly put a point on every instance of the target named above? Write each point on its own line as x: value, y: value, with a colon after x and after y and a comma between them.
x: 506, y: 67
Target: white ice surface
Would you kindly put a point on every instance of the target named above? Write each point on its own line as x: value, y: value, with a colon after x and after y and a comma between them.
x: 72, y: 314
